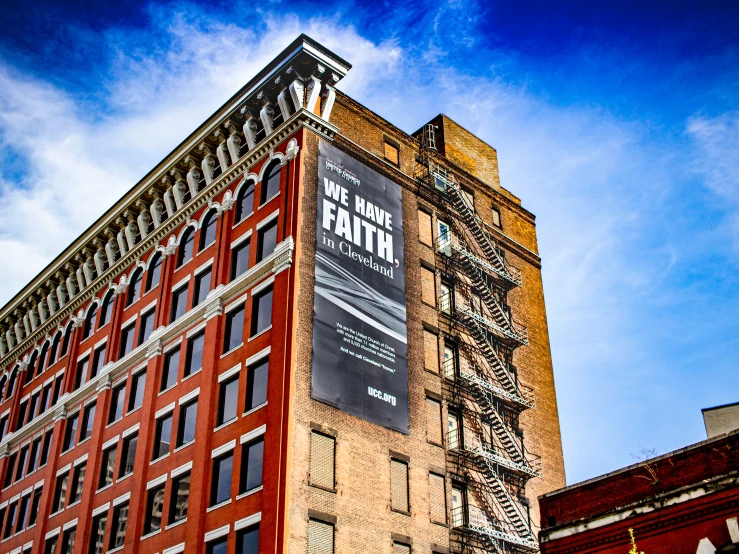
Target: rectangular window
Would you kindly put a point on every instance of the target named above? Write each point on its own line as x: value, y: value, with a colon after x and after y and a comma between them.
x: 45, y: 398
x: 202, y: 287
x: 88, y: 420
x: 320, y: 537
x: 128, y: 454
x: 428, y: 286
x: 186, y: 425
x: 32, y: 406
x: 240, y: 258
x: 33, y: 458
x: 22, y: 458
x: 162, y: 437
x: 247, y: 540
x: 57, y: 389
x: 399, y: 486
x: 433, y: 421
x: 50, y: 545
x: 322, y: 460
x: 233, y: 334
x: 228, y: 393
x: 116, y: 403
x: 60, y: 492
x: 496, y: 217
x: 9, y: 470
x: 170, y: 368
x: 22, y: 409
x: 146, y: 326
x: 179, y: 303
x: 252, y: 460
x: 78, y: 481
x: 180, y: 497
x: 68, y: 541
x: 220, y: 486
x: 437, y: 498
x: 194, y: 360
x: 127, y: 335
x: 97, y: 533
x: 35, y: 503
x: 10, y: 521
x: 98, y: 360
x: 22, y: 513
x: 392, y: 153
x: 154, y: 507
x: 218, y: 546
x: 107, y: 467
x: 138, y: 385
x: 3, y: 426
x: 118, y: 527
x: 46, y: 447
x: 266, y: 240
x: 256, y: 386
x: 431, y: 351
x: 70, y: 432
x: 469, y: 197
x: 261, y: 311
x: 83, y: 367
x: 425, y: 233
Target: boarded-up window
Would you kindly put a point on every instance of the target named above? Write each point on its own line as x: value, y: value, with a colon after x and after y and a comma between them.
x: 322, y: 449
x: 496, y: 217
x: 320, y: 537
x: 433, y: 420
x: 425, y: 233
x: 469, y: 198
x: 437, y: 498
x: 431, y: 351
x: 400, y: 548
x: 399, y: 486
x: 392, y: 153
x: 428, y: 286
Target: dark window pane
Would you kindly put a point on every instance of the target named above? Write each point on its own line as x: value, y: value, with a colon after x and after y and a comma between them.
x: 267, y: 240
x: 252, y: 459
x: 22, y: 409
x: 41, y: 363
x: 68, y: 541
x: 256, y: 388
x: 50, y: 545
x: 45, y: 398
x: 247, y: 540
x: 154, y: 506
x: 169, y: 368
x: 244, y: 202
x: 90, y: 321
x: 218, y: 546
x: 271, y: 182
x: 60, y: 493
x: 46, y: 448
x: 80, y: 378
x: 65, y: 341
x: 104, y: 311
x: 194, y: 360
x: 227, y: 398
x: 35, y: 455
x: 126, y: 340
x: 154, y: 273
x: 107, y: 467
x: 202, y: 287
x: 240, y: 259
x: 181, y: 495
x: 134, y: 287
x: 138, y: 384
x: 9, y: 470
x: 163, y: 437
x: 146, y: 326
x: 97, y: 534
x: 98, y: 360
x: 208, y: 230
x: 234, y: 332
x: 78, y: 481
x: 33, y: 514
x: 32, y: 407
x: 116, y: 403
x: 88, y: 420
x: 70, y: 432
x: 128, y: 454
x: 10, y: 521
x: 22, y: 459
x: 179, y: 303
x: 57, y: 389
x: 221, y: 484
x: 188, y: 415
x: 184, y: 253
x: 22, y: 511
x: 118, y: 530
x: 261, y: 312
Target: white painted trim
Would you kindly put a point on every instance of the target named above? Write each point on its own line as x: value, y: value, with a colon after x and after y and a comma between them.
x: 176, y: 549
x: 217, y: 533
x: 151, y: 304
x: 189, y: 396
x: 251, y: 435
x: 130, y: 431
x: 229, y: 373
x: 242, y: 239
x: 169, y: 408
x: 101, y: 509
x: 195, y: 330
x: 99, y: 343
x: 203, y: 267
x: 85, y: 353
x: 267, y: 220
x: 70, y: 524
x: 121, y: 499
x: 156, y: 482
x: 180, y: 470
x: 172, y: 345
x: 235, y: 304
x: 53, y: 533
x: 178, y: 285
x: 81, y: 460
x: 129, y: 321
x: 263, y: 285
x: 228, y: 447
x: 110, y: 442
x: 248, y: 521
x: 63, y: 470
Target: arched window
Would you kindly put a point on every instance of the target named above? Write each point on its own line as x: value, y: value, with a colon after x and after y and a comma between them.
x: 42, y: 359
x: 184, y: 254
x: 244, y: 201
x: 31, y: 369
x: 208, y: 230
x: 154, y: 272
x: 104, y: 315
x: 270, y: 182
x: 90, y: 321
x: 3, y: 382
x: 11, y: 383
x: 134, y: 287
x: 65, y: 342
x: 54, y: 349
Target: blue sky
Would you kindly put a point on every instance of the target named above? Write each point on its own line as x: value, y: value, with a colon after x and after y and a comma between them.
x: 616, y: 123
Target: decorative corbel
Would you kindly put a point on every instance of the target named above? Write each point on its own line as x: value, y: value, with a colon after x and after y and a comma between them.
x: 208, y: 164
x: 266, y: 114
x: 233, y: 142
x: 250, y: 128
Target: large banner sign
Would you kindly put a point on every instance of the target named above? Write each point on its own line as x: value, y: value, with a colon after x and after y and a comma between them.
x: 360, y: 347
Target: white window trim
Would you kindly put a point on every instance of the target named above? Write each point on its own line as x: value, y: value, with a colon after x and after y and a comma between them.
x: 84, y: 355
x: 180, y: 470
x: 110, y: 442
x: 217, y: 533
x: 29, y: 490
x: 248, y: 521
x: 39, y: 484
x: 189, y: 396
x: 195, y: 330
x: 4, y: 504
x: 129, y: 321
x: 101, y: 509
x: 37, y: 389
x: 228, y: 447
x: 229, y: 373
x: 180, y: 283
x: 151, y: 304
x: 172, y: 345
x: 47, y: 382
x: 60, y: 372
x: 242, y: 239
x: 235, y: 304
x: 263, y: 285
x: 81, y: 460
x: 120, y: 381
x: 53, y: 533
x: 22, y: 400
x: 176, y: 549
x: 264, y: 353
x: 203, y: 267
x: 61, y: 471
x: 169, y: 408
x: 251, y: 435
x: 156, y: 482
x: 267, y: 220
x: 70, y: 524
x: 89, y: 401
x: 130, y: 431
x: 121, y: 499
x: 99, y: 343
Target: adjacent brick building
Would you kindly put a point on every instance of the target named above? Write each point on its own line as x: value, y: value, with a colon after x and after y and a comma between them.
x: 684, y: 502
x: 156, y: 376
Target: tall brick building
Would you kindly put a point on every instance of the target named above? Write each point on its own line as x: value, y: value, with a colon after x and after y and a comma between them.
x: 160, y: 377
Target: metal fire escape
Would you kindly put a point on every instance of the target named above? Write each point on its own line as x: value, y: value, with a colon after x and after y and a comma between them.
x: 485, y: 450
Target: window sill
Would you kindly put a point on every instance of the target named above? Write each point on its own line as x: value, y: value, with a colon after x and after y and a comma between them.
x: 73, y: 504
x: 176, y: 269
x: 434, y: 443
x: 254, y: 409
x: 204, y: 248
x: 222, y: 425
x: 109, y: 425
x: 183, y: 446
x: 150, y: 534
x: 321, y: 487
x: 169, y: 388
x: 175, y: 524
x: 250, y: 492
x: 116, y: 549
x: 83, y: 441
x: 224, y: 503
x: 260, y: 333
x: 234, y: 349
x: 247, y: 216
x: 186, y: 377
x: 105, y: 488
x: 263, y: 204
x: 400, y: 512
x: 159, y: 459
x: 132, y: 411
x: 124, y: 477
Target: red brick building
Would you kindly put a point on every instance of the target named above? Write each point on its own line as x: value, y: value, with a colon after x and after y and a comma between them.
x: 684, y: 502
x: 155, y: 378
